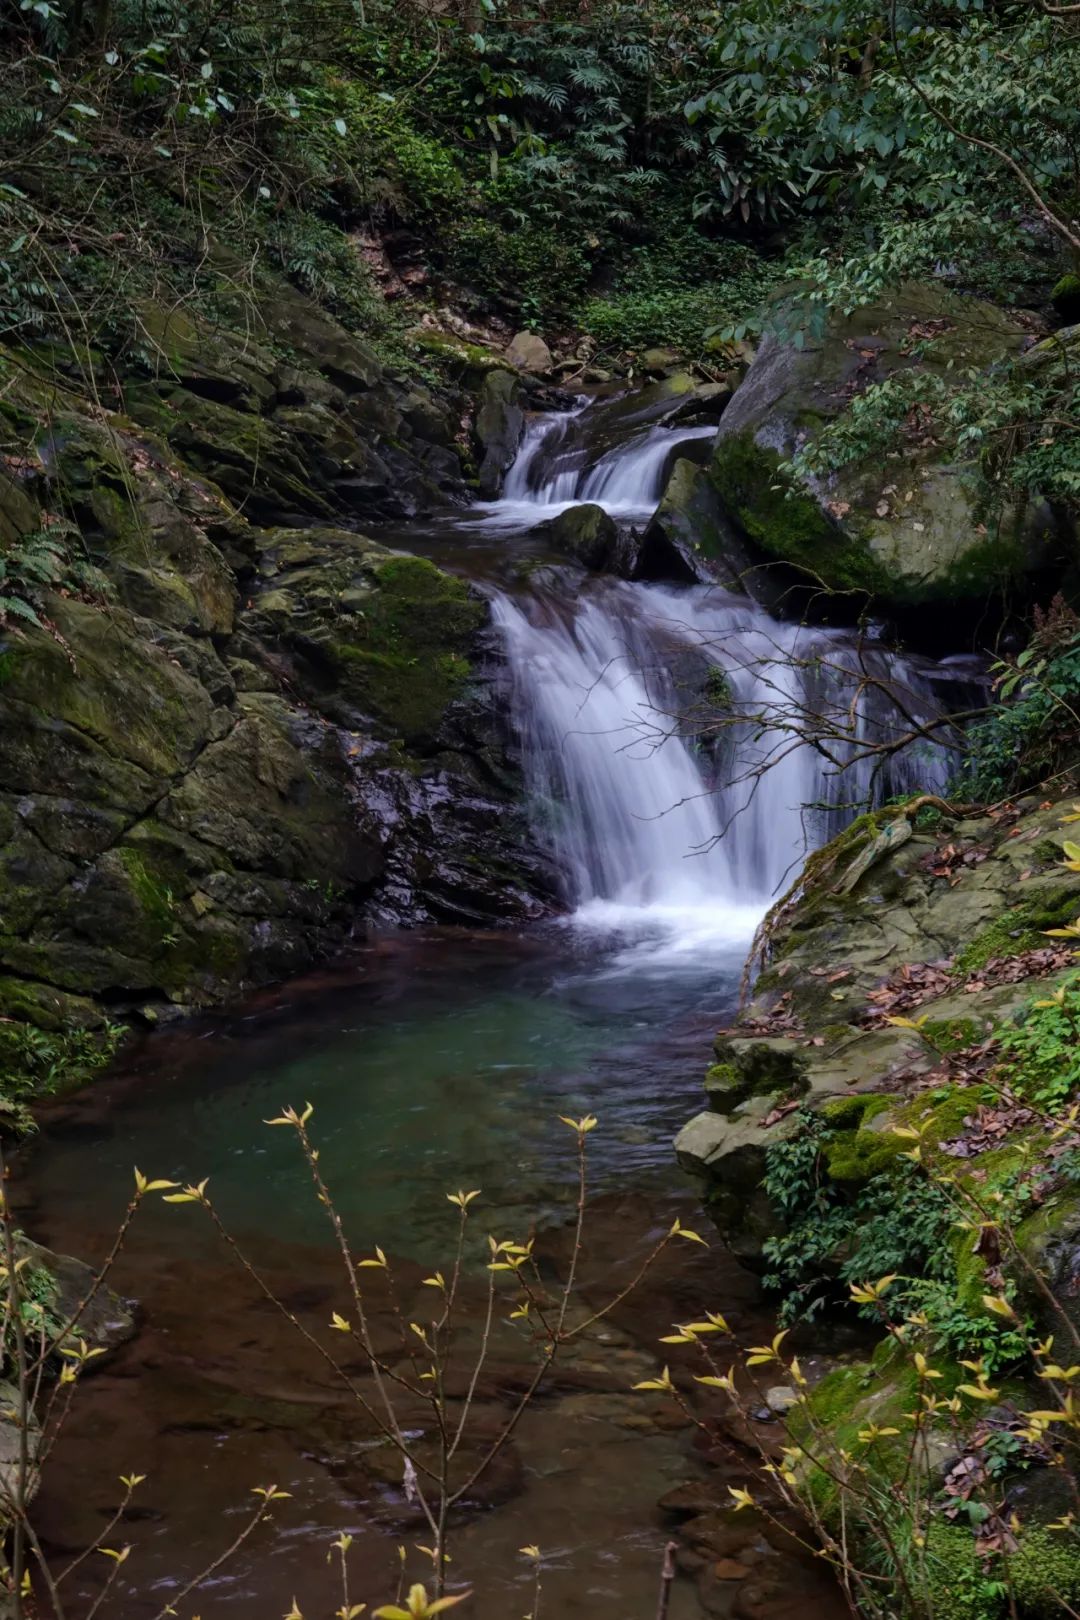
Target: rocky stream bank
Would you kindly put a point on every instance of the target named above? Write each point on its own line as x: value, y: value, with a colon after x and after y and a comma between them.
x: 236, y: 730
x: 233, y: 726
x: 912, y: 942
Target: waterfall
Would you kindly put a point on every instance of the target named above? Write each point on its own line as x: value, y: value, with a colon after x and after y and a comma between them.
x: 660, y: 727
x: 560, y: 465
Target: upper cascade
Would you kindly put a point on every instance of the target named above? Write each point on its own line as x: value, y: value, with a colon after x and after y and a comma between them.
x: 615, y: 453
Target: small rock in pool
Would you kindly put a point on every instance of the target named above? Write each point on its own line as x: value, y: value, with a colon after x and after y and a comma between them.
x: 781, y: 1398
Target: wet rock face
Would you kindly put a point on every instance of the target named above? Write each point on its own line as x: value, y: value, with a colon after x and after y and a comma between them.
x: 500, y: 422
x: 215, y: 765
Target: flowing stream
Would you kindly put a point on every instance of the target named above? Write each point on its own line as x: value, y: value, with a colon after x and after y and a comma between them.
x: 673, y: 817
x: 645, y: 714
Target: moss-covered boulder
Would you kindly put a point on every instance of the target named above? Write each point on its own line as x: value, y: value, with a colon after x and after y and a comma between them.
x: 901, y: 532
x: 129, y: 787
x: 222, y: 747
x: 689, y: 538
x: 374, y: 635
x: 590, y: 536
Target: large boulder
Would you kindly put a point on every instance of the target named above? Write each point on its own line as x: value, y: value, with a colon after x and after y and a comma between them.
x: 591, y: 537
x: 900, y: 532
x: 529, y: 352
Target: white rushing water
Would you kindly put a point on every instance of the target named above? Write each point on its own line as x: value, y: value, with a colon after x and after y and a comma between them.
x: 668, y: 828
x: 555, y: 469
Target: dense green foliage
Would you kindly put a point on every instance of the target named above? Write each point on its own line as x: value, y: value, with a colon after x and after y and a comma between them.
x: 895, y: 1222
x: 1042, y: 1050
x: 1033, y: 730
x: 543, y: 151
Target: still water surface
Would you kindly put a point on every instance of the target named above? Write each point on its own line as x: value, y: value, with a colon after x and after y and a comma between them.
x: 431, y: 1063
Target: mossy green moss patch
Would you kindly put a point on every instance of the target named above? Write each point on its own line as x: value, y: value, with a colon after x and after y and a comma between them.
x: 859, y: 1154
x: 786, y: 522
x: 1008, y: 935
x: 154, y: 896
x: 409, y: 659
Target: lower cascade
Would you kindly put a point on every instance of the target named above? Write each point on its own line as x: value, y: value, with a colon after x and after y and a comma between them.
x: 669, y: 733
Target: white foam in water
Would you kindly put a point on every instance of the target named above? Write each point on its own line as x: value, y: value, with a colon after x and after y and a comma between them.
x: 553, y: 471
x: 671, y: 850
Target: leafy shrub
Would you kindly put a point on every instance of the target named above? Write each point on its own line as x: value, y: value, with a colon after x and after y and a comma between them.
x: 1042, y: 1050
x: 898, y: 1223
x: 345, y: 132
x: 1034, y: 729
x: 48, y: 559
x: 540, y: 271
x: 320, y: 259
x: 678, y: 290
x: 38, y: 1063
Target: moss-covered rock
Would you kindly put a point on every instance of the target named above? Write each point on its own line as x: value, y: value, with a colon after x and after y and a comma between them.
x: 591, y: 537
x: 909, y: 537
x: 375, y: 635
x: 214, y: 760
x: 745, y: 1068
x: 1049, y: 1243
x: 296, y: 419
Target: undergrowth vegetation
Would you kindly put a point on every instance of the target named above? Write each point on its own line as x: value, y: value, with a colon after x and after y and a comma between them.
x: 936, y: 1466
x: 1032, y: 732
x: 544, y: 154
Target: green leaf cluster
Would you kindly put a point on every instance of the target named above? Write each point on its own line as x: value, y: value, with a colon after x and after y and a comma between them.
x: 1041, y: 1050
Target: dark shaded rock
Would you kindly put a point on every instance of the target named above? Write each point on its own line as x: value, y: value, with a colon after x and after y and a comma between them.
x: 499, y: 425
x: 100, y: 1316
x: 591, y: 537
x: 314, y: 436
x: 670, y: 400
x: 754, y: 1068
x: 1065, y: 297
x: 691, y: 538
